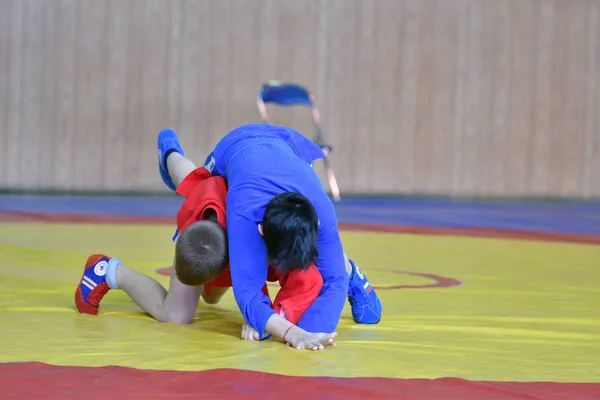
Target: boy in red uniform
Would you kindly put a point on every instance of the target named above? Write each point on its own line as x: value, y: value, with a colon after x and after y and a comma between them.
x: 200, y: 266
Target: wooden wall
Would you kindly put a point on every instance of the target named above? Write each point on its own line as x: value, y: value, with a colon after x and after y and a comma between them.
x: 461, y: 97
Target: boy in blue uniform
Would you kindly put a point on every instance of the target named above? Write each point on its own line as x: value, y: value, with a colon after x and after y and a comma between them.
x: 279, y: 213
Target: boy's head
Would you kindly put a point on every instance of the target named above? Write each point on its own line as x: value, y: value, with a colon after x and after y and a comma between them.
x: 201, y: 253
x: 290, y: 227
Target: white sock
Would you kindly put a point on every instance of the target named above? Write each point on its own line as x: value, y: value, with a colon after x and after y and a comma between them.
x: 111, y: 273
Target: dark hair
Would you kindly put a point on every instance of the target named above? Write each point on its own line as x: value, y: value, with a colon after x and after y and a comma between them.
x: 200, y: 253
x: 290, y: 227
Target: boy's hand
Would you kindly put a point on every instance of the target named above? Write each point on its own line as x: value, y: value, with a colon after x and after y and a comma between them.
x: 249, y: 333
x: 300, y: 339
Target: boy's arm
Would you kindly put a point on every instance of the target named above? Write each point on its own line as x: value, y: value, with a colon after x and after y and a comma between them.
x: 324, y: 314
x: 247, y: 260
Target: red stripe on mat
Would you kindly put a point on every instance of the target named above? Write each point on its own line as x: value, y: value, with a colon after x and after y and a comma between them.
x: 43, y: 381
x: 477, y: 232
x: 15, y: 216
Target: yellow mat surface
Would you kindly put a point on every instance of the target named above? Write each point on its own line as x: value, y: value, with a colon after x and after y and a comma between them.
x: 526, y: 311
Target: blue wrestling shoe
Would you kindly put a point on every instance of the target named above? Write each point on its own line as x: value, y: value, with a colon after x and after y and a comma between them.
x: 167, y: 143
x: 366, y: 307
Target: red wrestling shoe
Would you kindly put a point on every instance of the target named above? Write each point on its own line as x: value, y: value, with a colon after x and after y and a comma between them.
x: 93, y: 286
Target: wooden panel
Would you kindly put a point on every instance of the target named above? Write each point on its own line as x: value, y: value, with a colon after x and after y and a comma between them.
x: 117, y: 93
x: 519, y: 127
x: 460, y: 97
x: 89, y: 158
x: 5, y: 87
x: 407, y: 89
x: 592, y: 142
x: 14, y: 103
x: 46, y: 128
x: 63, y: 106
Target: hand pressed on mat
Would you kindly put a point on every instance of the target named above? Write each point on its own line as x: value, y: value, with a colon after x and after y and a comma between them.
x: 299, y: 339
x: 249, y: 333
x: 296, y: 338
x: 291, y: 334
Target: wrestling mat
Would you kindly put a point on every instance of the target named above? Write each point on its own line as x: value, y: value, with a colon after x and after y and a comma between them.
x: 481, y: 301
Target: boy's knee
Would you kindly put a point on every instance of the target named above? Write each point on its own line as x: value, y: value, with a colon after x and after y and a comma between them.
x: 177, y: 317
x: 213, y: 294
x: 211, y: 300
x: 216, y: 294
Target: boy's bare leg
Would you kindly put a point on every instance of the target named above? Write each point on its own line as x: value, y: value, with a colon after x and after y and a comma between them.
x: 348, y: 265
x: 179, y: 167
x: 177, y: 305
